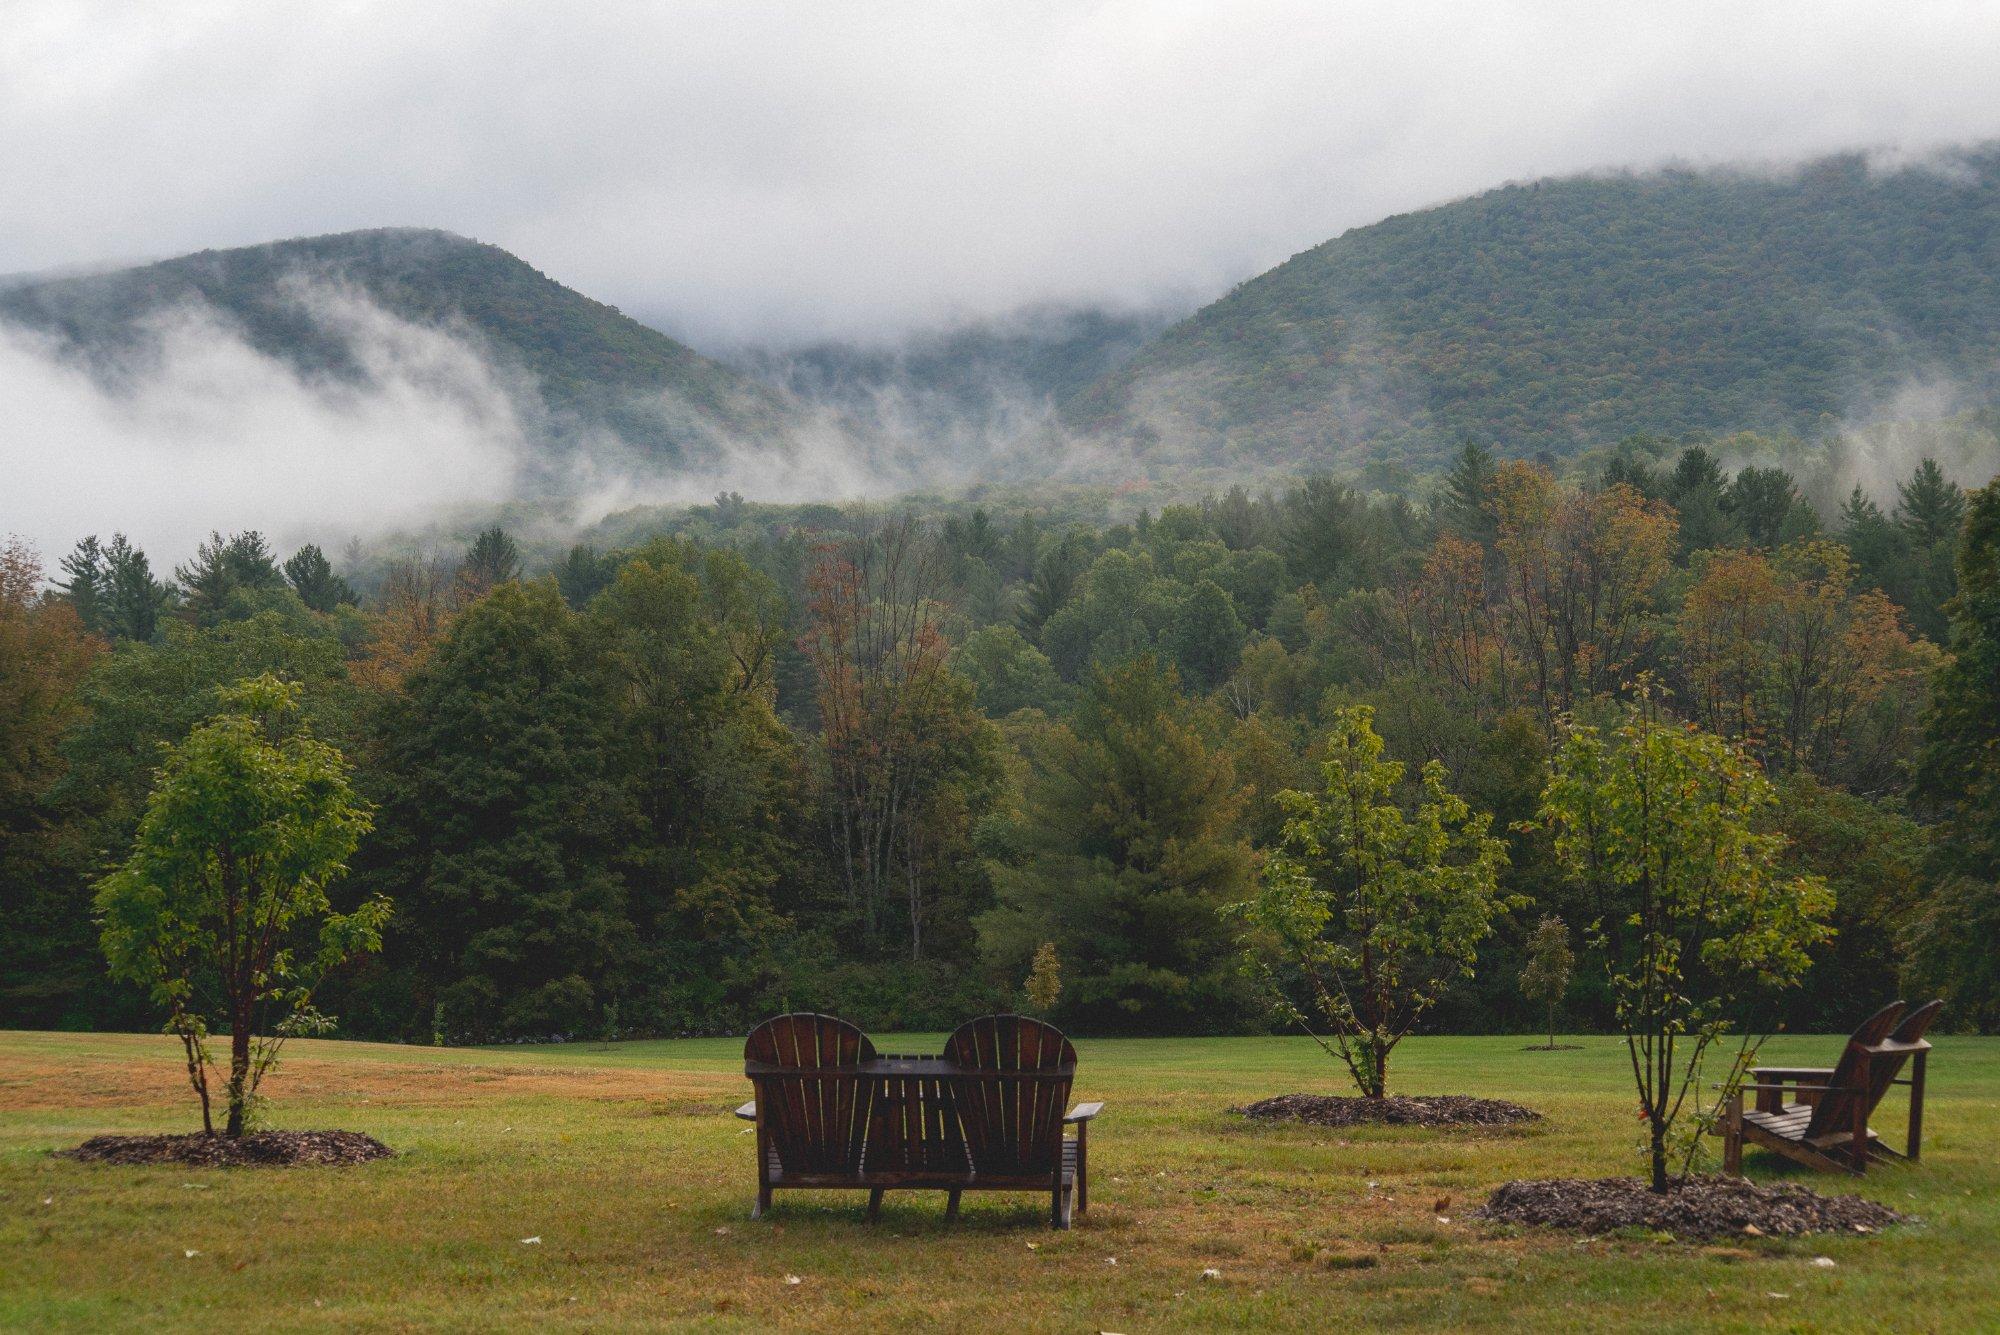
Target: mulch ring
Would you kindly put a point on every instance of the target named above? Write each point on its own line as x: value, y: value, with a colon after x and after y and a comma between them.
x: 1395, y: 1110
x: 264, y: 1149
x: 1709, y: 1206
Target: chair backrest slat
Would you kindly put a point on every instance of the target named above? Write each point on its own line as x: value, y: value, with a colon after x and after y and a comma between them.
x: 815, y: 1116
x: 1882, y: 1072
x: 1852, y: 1075
x: 1012, y: 1123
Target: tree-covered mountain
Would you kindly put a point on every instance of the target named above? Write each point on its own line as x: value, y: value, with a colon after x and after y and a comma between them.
x: 1566, y: 313
x: 592, y: 366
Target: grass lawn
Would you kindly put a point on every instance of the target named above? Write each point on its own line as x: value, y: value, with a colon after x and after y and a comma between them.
x: 624, y: 1162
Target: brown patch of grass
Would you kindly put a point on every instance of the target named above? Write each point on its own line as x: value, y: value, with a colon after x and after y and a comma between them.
x: 43, y: 1083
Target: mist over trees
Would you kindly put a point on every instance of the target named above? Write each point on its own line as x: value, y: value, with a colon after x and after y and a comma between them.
x: 890, y: 762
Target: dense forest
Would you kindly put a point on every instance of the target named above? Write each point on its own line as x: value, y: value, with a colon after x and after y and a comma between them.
x: 889, y: 762
x: 1552, y: 315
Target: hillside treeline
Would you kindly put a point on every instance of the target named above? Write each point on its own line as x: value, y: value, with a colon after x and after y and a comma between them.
x: 874, y: 762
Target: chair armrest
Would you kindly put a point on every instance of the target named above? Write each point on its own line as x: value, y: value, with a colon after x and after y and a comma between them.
x: 1792, y: 1073
x: 748, y: 1112
x: 1749, y: 1088
x: 1082, y: 1112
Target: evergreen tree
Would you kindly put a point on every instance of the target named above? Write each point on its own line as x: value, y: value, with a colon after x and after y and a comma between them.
x: 584, y: 574
x: 134, y: 601
x: 311, y: 577
x: 1877, y: 545
x: 1056, y: 574
x: 1930, y: 506
x: 1696, y: 491
x: 1929, y: 509
x: 86, y: 585
x: 491, y: 560
x: 1765, y: 505
x: 1958, y: 776
x: 1465, y: 501
x: 220, y: 569
x: 1131, y: 848
x: 1325, y: 535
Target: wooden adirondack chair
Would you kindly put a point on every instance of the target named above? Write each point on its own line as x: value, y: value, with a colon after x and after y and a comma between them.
x: 1013, y: 1120
x: 813, y: 1103
x: 1825, y: 1124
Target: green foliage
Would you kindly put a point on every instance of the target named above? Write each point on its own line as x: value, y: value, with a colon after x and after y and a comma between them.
x: 221, y: 910
x: 221, y: 571
x: 1373, y: 908
x: 1128, y: 848
x: 1545, y: 979
x: 311, y: 576
x: 1958, y: 777
x: 1008, y: 673
x: 502, y: 818
x: 1563, y: 314
x: 1668, y: 829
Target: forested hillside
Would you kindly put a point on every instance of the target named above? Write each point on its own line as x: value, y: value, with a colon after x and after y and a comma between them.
x: 884, y: 763
x: 1555, y: 315
x: 593, y: 366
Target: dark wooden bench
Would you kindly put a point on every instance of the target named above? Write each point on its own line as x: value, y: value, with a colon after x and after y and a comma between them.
x: 987, y: 1115
x: 1818, y: 1115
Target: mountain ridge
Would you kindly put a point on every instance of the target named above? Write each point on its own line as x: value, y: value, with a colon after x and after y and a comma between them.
x: 1559, y: 314
x: 594, y: 366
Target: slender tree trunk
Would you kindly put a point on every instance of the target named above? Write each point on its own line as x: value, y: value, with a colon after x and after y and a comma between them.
x: 1658, y: 1154
x: 239, y: 1075
x: 1552, y: 1026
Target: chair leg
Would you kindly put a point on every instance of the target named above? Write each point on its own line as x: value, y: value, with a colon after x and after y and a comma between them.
x: 874, y: 1204
x: 1732, y: 1136
x: 1083, y: 1168
x: 1915, y: 1143
x: 951, y: 1203
x: 763, y: 1202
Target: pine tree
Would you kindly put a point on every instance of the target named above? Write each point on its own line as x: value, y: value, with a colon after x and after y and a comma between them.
x: 134, y: 601
x: 1056, y: 575
x: 1958, y: 776
x: 1465, y: 502
x: 1930, y: 505
x: 220, y: 569
x: 311, y: 577
x: 491, y: 560
x: 87, y: 582
x: 1131, y: 848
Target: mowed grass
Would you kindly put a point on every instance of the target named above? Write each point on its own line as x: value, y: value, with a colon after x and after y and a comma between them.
x: 624, y: 1161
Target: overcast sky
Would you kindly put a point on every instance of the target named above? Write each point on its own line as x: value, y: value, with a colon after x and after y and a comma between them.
x: 778, y: 171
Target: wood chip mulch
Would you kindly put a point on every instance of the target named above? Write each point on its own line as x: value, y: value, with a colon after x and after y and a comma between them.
x: 258, y: 1149
x: 1703, y: 1207
x: 1396, y: 1110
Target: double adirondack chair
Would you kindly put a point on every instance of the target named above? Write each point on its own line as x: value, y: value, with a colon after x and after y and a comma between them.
x: 1824, y: 1121
x: 987, y: 1115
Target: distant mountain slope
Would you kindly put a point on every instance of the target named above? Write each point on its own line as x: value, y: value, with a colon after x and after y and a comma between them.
x: 594, y: 367
x: 1571, y: 312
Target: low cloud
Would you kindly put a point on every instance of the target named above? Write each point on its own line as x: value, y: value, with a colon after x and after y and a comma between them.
x: 198, y: 430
